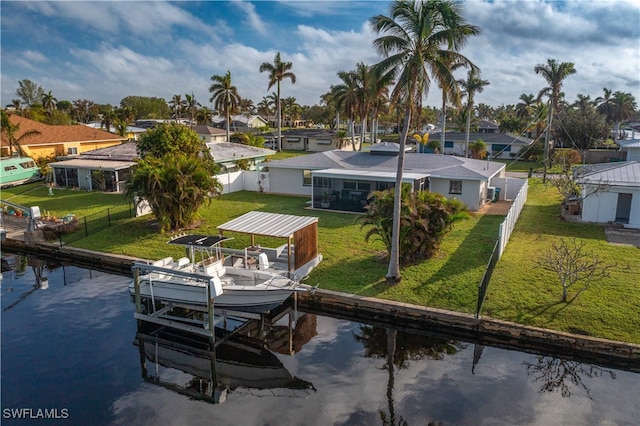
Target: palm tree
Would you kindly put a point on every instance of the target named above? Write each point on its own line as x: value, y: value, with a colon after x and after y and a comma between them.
x: 346, y: 98
x: 524, y: 108
x: 472, y: 85
x: 624, y: 106
x: 10, y: 131
x: 554, y: 73
x: 421, y: 42
x: 203, y: 116
x: 264, y: 107
x: 49, y: 102
x: 191, y: 106
x: 450, y: 94
x: 177, y: 104
x: 224, y: 96
x: 278, y: 71
x: 605, y: 104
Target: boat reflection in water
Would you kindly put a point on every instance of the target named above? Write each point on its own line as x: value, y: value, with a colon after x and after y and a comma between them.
x: 235, y: 363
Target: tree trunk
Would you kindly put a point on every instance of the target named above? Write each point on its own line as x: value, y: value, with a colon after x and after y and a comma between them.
x: 393, y: 273
x: 466, y: 140
x: 279, y: 119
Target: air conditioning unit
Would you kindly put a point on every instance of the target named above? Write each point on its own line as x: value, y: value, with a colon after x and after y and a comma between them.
x: 491, y: 192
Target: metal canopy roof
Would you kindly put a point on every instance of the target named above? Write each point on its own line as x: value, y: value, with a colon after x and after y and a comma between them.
x: 377, y: 175
x: 268, y: 224
x: 198, y: 240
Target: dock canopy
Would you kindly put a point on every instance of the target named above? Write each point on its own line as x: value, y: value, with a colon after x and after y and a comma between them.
x: 206, y: 241
x: 302, y: 229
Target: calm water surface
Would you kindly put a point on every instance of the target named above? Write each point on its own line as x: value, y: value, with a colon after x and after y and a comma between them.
x: 70, y: 349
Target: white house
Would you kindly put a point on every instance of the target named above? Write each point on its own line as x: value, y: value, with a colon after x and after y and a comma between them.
x: 211, y: 134
x: 620, y: 202
x: 345, y: 178
x: 632, y: 148
x: 227, y: 154
x: 240, y: 122
x: 499, y: 145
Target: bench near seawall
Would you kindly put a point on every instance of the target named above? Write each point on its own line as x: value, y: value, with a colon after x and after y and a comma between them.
x: 411, y: 318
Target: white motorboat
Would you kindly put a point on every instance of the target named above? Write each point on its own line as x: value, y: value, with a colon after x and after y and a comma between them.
x: 248, y: 286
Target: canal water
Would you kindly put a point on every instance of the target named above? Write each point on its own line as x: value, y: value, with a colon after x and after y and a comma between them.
x: 72, y: 354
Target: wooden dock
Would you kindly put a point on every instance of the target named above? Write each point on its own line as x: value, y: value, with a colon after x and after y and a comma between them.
x: 383, y: 313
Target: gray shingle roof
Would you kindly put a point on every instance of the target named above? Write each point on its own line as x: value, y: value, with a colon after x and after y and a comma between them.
x: 433, y: 164
x: 229, y: 151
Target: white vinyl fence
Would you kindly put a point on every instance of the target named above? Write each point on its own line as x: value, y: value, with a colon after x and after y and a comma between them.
x: 506, y: 227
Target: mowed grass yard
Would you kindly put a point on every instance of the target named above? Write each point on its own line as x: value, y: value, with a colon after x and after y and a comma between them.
x: 523, y: 292
x: 520, y: 290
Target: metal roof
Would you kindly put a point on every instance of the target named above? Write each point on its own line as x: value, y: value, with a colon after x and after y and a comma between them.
x: 93, y: 164
x: 625, y: 173
x: 268, y: 224
x: 368, y: 174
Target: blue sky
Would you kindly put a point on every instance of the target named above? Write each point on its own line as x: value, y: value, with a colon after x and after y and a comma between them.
x: 105, y: 51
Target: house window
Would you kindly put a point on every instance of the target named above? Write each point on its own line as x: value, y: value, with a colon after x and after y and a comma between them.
x: 324, y: 142
x: 72, y: 151
x: 497, y: 148
x: 322, y: 182
x: 448, y: 144
x: 306, y: 178
x: 455, y: 187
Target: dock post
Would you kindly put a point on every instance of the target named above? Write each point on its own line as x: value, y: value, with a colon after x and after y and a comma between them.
x: 212, y: 330
x: 136, y: 286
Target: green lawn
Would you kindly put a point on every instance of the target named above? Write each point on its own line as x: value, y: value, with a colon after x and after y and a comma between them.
x: 520, y: 291
x: 523, y: 292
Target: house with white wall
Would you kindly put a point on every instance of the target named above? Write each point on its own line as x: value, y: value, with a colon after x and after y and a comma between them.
x: 311, y: 140
x: 211, y: 134
x: 344, y: 179
x: 620, y: 201
x: 499, y: 145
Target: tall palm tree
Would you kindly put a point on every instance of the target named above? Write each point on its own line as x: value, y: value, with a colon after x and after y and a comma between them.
x: 524, y: 108
x: 624, y: 106
x: 203, y: 116
x: 605, y: 104
x: 554, y: 73
x: 420, y: 42
x: 583, y: 102
x: 278, y: 71
x: 450, y: 95
x: 191, y: 106
x: 177, y: 104
x: 346, y: 97
x: 49, y: 102
x: 264, y: 107
x: 224, y: 96
x: 472, y: 85
x: 246, y: 108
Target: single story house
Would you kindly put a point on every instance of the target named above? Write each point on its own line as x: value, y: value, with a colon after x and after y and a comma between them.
x: 631, y: 147
x: 342, y: 180
x: 620, y: 202
x: 57, y: 140
x: 211, y: 134
x: 227, y: 154
x: 105, y: 169
x: 108, y: 169
x: 240, y: 122
x: 131, y: 133
x: 310, y: 140
x: 499, y: 145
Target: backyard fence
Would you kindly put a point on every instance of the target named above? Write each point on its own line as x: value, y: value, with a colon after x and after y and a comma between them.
x: 77, y: 228
x: 506, y: 228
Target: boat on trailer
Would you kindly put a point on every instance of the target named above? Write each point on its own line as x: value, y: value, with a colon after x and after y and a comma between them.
x: 18, y: 170
x: 206, y: 272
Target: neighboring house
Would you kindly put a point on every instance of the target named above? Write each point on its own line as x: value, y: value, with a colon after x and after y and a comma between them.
x: 620, y: 202
x: 132, y: 133
x: 311, y: 140
x: 631, y: 147
x: 240, y: 122
x: 345, y: 178
x: 227, y: 154
x: 108, y: 169
x: 105, y: 169
x: 486, y: 126
x: 211, y: 134
x: 58, y: 140
x: 499, y: 145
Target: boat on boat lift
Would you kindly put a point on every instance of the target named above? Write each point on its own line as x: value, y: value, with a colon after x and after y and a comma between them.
x: 206, y: 272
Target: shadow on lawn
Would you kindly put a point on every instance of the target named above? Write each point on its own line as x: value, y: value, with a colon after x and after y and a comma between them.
x: 546, y: 220
x: 473, y: 253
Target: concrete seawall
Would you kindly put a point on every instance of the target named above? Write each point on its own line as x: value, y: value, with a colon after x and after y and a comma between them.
x: 402, y: 316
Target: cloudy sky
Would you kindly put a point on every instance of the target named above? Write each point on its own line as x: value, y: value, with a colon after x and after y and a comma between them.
x: 105, y: 51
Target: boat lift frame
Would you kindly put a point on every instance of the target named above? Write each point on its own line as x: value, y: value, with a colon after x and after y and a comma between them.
x: 163, y: 315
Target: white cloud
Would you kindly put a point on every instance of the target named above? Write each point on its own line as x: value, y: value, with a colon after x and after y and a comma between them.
x: 252, y: 18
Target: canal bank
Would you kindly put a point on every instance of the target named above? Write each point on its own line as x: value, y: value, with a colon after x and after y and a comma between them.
x: 484, y: 330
